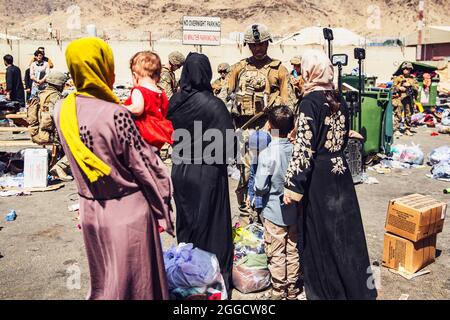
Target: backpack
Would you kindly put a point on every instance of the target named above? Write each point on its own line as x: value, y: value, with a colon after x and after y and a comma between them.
x: 254, y: 92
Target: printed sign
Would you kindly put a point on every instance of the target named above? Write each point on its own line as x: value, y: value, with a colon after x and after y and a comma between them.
x: 203, y: 31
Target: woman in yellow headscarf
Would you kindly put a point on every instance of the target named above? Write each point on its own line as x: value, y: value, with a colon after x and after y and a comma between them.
x: 124, y: 187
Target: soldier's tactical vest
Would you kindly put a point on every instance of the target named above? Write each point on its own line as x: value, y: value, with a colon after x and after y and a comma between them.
x: 40, y: 122
x: 254, y: 92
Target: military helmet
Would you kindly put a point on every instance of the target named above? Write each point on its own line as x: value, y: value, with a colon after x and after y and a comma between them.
x: 296, y: 61
x: 257, y: 33
x: 407, y: 65
x: 57, y: 78
x: 176, y: 58
x: 223, y: 67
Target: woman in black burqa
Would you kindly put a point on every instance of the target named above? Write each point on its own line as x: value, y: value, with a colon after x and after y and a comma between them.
x: 335, y: 258
x: 199, y: 176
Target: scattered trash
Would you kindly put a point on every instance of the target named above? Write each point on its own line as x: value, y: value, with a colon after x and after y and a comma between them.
x: 79, y: 226
x: 74, y: 207
x: 11, y: 193
x: 248, y: 280
x: 404, y: 296
x: 443, y: 129
x: 234, y: 173
x: 407, y: 154
x: 445, y: 120
x: 369, y: 180
x: 434, y: 134
x: 441, y: 170
x: 250, y: 271
x: 192, y: 271
x: 410, y: 276
x: 12, y: 181
x: 11, y: 216
x: 441, y: 154
x: 447, y: 191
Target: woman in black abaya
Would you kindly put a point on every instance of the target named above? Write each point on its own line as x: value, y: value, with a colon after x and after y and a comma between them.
x: 201, y: 180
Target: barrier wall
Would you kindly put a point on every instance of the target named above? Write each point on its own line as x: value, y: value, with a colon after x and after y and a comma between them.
x: 381, y: 61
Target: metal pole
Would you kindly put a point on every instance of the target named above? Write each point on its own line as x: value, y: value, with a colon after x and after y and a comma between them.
x: 329, y: 49
x: 420, y: 25
x: 340, y: 79
x: 361, y: 84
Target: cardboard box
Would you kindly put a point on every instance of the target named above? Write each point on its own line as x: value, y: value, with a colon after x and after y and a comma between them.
x: 415, y: 217
x: 35, y: 171
x: 408, y: 256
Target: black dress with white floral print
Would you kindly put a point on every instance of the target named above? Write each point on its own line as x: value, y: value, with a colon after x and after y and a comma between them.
x: 336, y: 261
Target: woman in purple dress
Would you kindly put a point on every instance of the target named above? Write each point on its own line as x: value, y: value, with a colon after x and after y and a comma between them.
x: 124, y: 187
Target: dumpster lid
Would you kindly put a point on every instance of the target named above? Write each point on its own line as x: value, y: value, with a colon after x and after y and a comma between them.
x: 417, y: 67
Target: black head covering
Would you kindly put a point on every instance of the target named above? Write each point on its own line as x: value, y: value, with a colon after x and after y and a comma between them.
x: 196, y: 102
x: 196, y: 74
x: 195, y: 77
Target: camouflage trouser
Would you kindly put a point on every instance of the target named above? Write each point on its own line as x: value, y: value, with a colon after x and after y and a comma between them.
x: 402, y: 108
x: 165, y: 152
x: 244, y: 169
x: 63, y: 163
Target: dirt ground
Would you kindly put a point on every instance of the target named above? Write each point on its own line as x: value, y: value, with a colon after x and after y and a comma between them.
x: 42, y: 252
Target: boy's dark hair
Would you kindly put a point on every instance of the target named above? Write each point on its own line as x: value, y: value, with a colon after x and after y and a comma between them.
x: 8, y: 59
x: 37, y: 52
x: 281, y: 118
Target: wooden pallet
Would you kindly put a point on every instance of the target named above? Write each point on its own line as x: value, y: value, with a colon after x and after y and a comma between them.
x: 19, y: 119
x: 18, y: 143
x: 14, y: 129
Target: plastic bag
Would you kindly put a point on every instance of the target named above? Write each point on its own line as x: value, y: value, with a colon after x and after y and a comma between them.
x: 248, y: 280
x: 408, y: 154
x: 441, y: 170
x: 248, y: 240
x: 187, y: 267
x: 417, y: 118
x: 445, y: 121
x: 441, y: 154
x: 215, y: 291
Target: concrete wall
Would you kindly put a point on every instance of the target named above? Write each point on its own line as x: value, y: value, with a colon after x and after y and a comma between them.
x: 381, y: 61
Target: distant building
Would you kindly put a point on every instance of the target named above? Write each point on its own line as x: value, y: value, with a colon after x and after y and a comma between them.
x: 435, y: 42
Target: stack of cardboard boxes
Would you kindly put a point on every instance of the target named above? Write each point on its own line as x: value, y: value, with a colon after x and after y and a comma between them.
x: 412, y: 224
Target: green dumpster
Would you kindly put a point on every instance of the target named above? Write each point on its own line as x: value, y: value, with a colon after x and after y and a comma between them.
x: 376, y: 121
x: 354, y: 81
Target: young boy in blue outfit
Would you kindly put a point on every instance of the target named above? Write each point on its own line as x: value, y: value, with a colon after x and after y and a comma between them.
x: 279, y: 220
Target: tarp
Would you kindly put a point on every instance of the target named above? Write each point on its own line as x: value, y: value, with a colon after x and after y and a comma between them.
x: 417, y: 67
x: 314, y: 35
x: 430, y: 35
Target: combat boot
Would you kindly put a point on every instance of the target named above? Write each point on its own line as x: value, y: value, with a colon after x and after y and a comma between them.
x: 59, y: 173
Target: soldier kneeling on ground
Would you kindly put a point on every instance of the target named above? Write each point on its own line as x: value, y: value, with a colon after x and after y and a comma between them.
x: 42, y: 124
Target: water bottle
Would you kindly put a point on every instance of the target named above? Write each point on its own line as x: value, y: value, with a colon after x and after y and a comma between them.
x: 11, y: 216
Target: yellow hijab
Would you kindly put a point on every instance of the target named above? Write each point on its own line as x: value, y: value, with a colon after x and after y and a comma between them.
x: 91, y: 64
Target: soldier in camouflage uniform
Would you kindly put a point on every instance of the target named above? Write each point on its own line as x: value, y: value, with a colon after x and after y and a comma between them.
x: 168, y: 83
x: 296, y: 83
x: 255, y: 84
x: 220, y: 85
x: 41, y: 121
x: 167, y: 80
x: 404, y: 94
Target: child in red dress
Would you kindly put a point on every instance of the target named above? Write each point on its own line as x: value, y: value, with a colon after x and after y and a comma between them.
x: 149, y: 103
